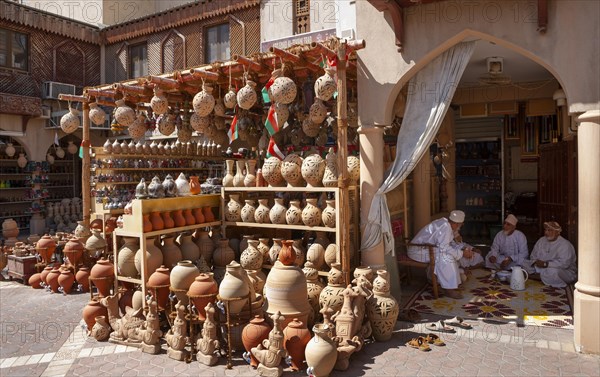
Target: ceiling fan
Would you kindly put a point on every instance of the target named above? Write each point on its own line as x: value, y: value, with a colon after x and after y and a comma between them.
x: 494, y: 75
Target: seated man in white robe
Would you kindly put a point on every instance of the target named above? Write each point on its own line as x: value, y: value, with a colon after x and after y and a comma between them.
x: 475, y: 261
x: 509, y: 247
x: 440, y: 233
x: 554, y: 258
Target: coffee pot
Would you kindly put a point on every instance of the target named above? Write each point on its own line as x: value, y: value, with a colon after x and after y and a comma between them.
x: 518, y: 278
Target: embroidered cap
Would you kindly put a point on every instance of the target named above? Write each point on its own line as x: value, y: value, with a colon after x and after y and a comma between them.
x: 457, y: 216
x: 511, y: 219
x: 553, y: 225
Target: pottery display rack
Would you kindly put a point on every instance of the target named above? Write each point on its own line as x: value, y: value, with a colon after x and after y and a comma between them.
x: 133, y: 226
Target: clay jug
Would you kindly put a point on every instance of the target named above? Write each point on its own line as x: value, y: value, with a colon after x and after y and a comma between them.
x: 261, y: 214
x: 234, y: 288
x: 293, y: 216
x: 171, y: 252
x: 101, y: 275
x: 189, y: 217
x: 321, y: 351
x: 287, y: 256
x: 154, y: 258
x: 331, y: 295
x: 233, y: 210
x: 92, y: 310
x: 66, y: 280
x: 167, y: 219
x: 247, y: 211
x: 158, y: 285
x: 311, y: 214
x: 328, y: 214
x: 83, y: 279
x: 253, y: 334
x: 157, y: 221
x: 295, y: 338
x: 194, y: 185
x: 182, y: 276
x: 251, y: 258
x: 189, y: 250
x: 178, y: 218
x: 198, y: 216
x: 203, y: 290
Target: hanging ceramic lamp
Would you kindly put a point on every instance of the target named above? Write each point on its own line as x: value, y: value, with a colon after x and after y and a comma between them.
x: 137, y: 129
x: 325, y: 85
x: 10, y: 150
x: 284, y: 90
x: 96, y: 114
x: 22, y: 160
x: 60, y: 153
x: 124, y: 114
x: 70, y: 122
x: 246, y: 97
x: 72, y: 148
x: 230, y: 99
x: 204, y: 102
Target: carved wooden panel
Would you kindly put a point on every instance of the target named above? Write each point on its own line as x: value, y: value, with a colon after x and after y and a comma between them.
x: 21, y: 105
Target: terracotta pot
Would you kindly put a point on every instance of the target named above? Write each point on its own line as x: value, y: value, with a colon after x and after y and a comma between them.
x: 234, y: 286
x: 313, y: 168
x: 274, y: 250
x: 178, y: 218
x: 146, y: 223
x: 101, y: 329
x: 261, y: 214
x: 126, y: 257
x: 313, y: 286
x: 293, y: 216
x: 101, y: 275
x: 44, y: 274
x: 73, y: 250
x: 83, y: 279
x: 198, y: 215
x: 251, y: 258
x: 382, y: 308
x: 233, y: 210
x: 167, y: 219
x: 203, y: 290
x: 45, y: 247
x: 311, y: 214
x: 154, y: 258
x: 238, y: 178
x: 248, y: 210
x: 205, y: 245
x: 126, y: 300
x: 92, y: 310
x: 229, y: 173
x: 246, y: 96
x: 35, y: 281
x: 182, y: 277
x: 277, y: 212
x: 321, y: 351
x: 204, y: 101
x: 328, y: 214
x: 291, y: 170
x: 253, y: 334
x: 189, y: 250
x: 285, y: 291
x: 66, y: 280
x: 158, y: 285
x: 157, y: 221
x: 316, y: 255
x: 52, y: 279
x: 331, y: 295
x: 271, y: 171
x: 171, y: 252
x: 194, y: 185
x: 295, y: 338
x: 330, y: 177
x: 250, y: 177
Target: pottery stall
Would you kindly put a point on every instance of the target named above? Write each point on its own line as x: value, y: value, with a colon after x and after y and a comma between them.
x: 236, y: 227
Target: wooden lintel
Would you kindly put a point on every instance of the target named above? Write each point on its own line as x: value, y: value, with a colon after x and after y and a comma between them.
x: 397, y: 18
x: 73, y: 98
x: 542, y: 16
x: 251, y: 65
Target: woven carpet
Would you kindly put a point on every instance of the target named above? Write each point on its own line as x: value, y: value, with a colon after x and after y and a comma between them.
x: 491, y: 299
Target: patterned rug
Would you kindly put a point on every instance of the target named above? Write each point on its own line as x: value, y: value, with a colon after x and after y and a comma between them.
x: 491, y: 299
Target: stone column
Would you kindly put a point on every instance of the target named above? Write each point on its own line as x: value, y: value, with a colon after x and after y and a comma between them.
x: 587, y: 288
x: 371, y: 176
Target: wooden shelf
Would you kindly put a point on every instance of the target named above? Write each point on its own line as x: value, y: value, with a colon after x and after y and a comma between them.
x: 284, y: 189
x: 148, y: 169
x: 281, y: 226
x: 126, y: 233
x: 115, y: 183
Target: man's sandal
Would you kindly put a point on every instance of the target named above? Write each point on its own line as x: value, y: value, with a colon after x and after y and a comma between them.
x: 459, y: 322
x: 435, y: 340
x: 419, y: 343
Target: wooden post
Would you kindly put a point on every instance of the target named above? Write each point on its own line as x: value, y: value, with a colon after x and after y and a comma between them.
x: 342, y: 144
x: 86, y: 166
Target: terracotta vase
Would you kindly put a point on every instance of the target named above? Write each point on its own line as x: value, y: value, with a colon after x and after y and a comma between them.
x: 246, y: 96
x: 251, y: 258
x: 209, y: 216
x: 83, y: 279
x: 284, y: 90
x: 228, y: 178
x: 222, y: 256
x: 248, y: 210
x: 250, y: 178
x: 326, y: 85
x: 287, y: 256
x: 321, y: 351
x: 291, y: 170
x: 154, y: 258
x: 189, y: 217
x: 198, y: 215
x: 66, y: 280
x: 159, y: 102
x: 204, y: 101
x: 194, y: 185
x: 167, y: 219
x: 203, y: 290
x: 96, y: 242
x: 328, y: 216
x: 234, y: 288
x: 271, y: 171
x: 189, y: 250
x: 316, y: 255
x: 146, y: 223
x: 263, y: 247
x: 158, y: 284
x: 70, y: 122
x: 102, y: 274
x: 353, y: 169
x: 277, y: 212
x: 285, y: 292
x: 124, y: 114
x: 92, y: 310
x: 331, y: 295
x: 382, y: 308
x: 233, y: 210
x: 311, y: 214
x: 331, y: 254
x: 156, y: 221
x: 295, y: 338
x: 253, y: 334
x: 101, y: 329
x: 274, y: 250
x: 238, y: 178
x: 230, y: 99
x: 314, y: 286
x: 182, y: 276
x: 205, y: 245
x: 299, y: 252
x: 126, y: 257
x: 293, y: 216
x: 261, y: 214
x: 178, y: 218
x: 171, y: 252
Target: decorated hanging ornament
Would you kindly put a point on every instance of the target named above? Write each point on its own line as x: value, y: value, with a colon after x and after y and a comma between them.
x: 124, y: 114
x: 70, y: 122
x: 284, y: 90
x: 204, y: 102
x: 246, y: 97
x: 137, y: 129
x: 325, y: 85
x: 60, y: 153
x: 96, y: 114
x: 159, y: 102
x: 230, y: 99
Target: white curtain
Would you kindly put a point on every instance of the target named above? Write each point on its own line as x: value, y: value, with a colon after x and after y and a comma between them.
x: 429, y: 95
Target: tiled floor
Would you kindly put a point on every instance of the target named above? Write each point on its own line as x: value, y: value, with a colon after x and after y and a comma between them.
x: 41, y: 336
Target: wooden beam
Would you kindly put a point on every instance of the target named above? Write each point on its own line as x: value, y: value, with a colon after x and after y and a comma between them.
x: 73, y: 98
x: 251, y: 65
x: 199, y: 73
x: 284, y: 54
x: 85, y: 167
x: 89, y: 92
x: 163, y: 82
x: 132, y: 89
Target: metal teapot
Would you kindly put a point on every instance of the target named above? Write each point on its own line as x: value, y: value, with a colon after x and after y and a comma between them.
x: 518, y: 278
